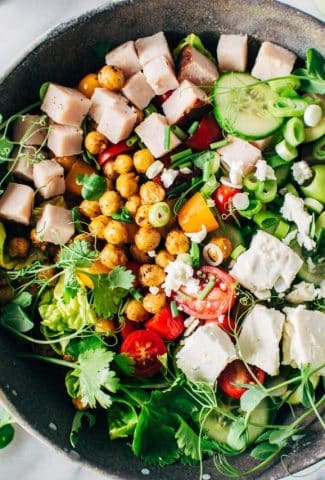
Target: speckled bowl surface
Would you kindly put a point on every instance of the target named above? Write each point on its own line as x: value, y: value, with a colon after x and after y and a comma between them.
x: 35, y: 392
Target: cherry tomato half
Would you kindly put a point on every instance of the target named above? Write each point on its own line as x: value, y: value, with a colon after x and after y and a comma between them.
x: 218, y: 301
x: 207, y: 132
x: 130, y: 327
x: 236, y: 372
x: 113, y: 151
x: 222, y: 197
x: 165, y: 325
x: 144, y: 346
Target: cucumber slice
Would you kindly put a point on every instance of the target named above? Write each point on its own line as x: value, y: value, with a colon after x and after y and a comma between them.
x: 243, y: 112
x: 316, y: 276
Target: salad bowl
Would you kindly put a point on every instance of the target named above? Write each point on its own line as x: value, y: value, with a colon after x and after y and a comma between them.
x: 34, y: 392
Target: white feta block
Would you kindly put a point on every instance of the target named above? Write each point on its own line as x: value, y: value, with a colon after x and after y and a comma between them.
x: 64, y: 105
x: 196, y: 67
x: 48, y: 178
x: 239, y: 157
x: 267, y: 264
x: 302, y: 292
x: 117, y: 122
x: 101, y: 99
x: 16, y: 203
x: 30, y: 129
x: 232, y: 53
x: 65, y: 140
x: 152, y: 47
x: 293, y: 209
x: 138, y: 90
x: 152, y: 134
x: 23, y: 163
x: 304, y: 338
x: 273, y: 61
x: 205, y: 354
x: 55, y: 225
x: 125, y: 57
x: 260, y: 337
x: 160, y: 75
x: 186, y: 98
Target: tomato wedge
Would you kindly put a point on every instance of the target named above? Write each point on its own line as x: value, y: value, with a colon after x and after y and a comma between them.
x: 165, y: 325
x: 144, y: 346
x: 113, y: 151
x: 207, y: 132
x: 222, y: 196
x: 236, y: 372
x: 218, y: 301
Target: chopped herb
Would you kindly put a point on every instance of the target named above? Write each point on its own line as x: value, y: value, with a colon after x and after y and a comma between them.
x: 124, y: 216
x: 93, y: 186
x: 195, y: 254
x: 193, y: 127
x: 207, y: 289
x: 312, y: 78
x: 132, y: 140
x: 181, y: 155
x: 179, y: 132
x: 149, y: 110
x: 136, y: 294
x: 174, y: 309
x: 167, y: 137
x: 221, y: 143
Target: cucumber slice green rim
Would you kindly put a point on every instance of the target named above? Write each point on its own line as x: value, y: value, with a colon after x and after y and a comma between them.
x: 243, y: 112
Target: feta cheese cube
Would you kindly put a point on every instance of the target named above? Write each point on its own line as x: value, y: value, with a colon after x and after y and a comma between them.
x: 30, y: 129
x: 125, y: 57
x: 55, y: 225
x: 64, y: 140
x: 138, y: 90
x: 293, y: 210
x: 101, y: 99
x: 273, y: 61
x: 240, y: 157
x: 152, y: 47
x: 16, y: 203
x: 232, y: 53
x: 48, y: 178
x: 152, y: 134
x: 301, y: 172
x: 196, y: 67
x: 160, y: 75
x: 184, y: 101
x: 117, y: 122
x: 264, y: 171
x: 168, y: 177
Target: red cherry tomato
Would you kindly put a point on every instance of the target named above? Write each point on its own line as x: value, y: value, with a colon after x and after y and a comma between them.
x: 207, y: 132
x: 144, y: 346
x: 236, y: 372
x: 218, y: 301
x: 223, y: 195
x: 113, y: 151
x: 160, y: 99
x: 165, y: 325
x: 225, y: 322
x: 130, y: 327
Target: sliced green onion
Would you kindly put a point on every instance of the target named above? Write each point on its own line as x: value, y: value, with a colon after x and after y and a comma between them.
x: 209, y: 187
x: 266, y: 191
x: 141, y: 144
x: 253, y: 208
x: 179, y: 132
x: 267, y: 221
x: 136, y: 294
x: 149, y: 110
x: 279, y: 84
x: 286, y: 151
x: 291, y: 189
x: 181, y: 155
x: 314, y: 205
x: 174, y: 309
x: 237, y: 251
x: 314, y: 133
x: 193, y: 127
x: 221, y: 143
x: 132, y: 140
x: 167, y: 137
x: 281, y: 230
x: 195, y: 254
x: 159, y: 214
x: 319, y: 149
x: 250, y: 182
x: 184, y: 295
x: 294, y: 131
x: 207, y: 289
x: 275, y: 161
x: 287, y: 107
x: 207, y: 171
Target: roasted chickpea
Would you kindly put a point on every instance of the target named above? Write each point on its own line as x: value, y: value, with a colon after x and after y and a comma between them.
x: 132, y: 204
x: 116, y: 232
x: 139, y: 256
x: 88, y: 84
x: 108, y: 170
x: 97, y: 226
x: 225, y: 246
x: 127, y: 184
x: 6, y: 295
x: 142, y: 216
x: 112, y: 256
x: 95, y: 142
x: 151, y: 192
x: 66, y: 162
x: 147, y: 239
x: 142, y: 160
x: 154, y: 302
x: 103, y: 325
x: 163, y: 258
x: 85, y: 237
x: 79, y: 404
x: 111, y: 77
x: 89, y: 208
x: 151, y: 275
x: 177, y: 242
x: 110, y: 202
x: 135, y: 311
x: 123, y: 163
x: 19, y: 247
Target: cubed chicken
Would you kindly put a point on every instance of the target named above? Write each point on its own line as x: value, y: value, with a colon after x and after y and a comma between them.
x: 138, y: 90
x: 55, y: 225
x: 240, y: 157
x: 152, y: 47
x: 23, y: 163
x: 103, y: 98
x: 117, y: 122
x: 64, y: 105
x: 64, y: 140
x: 196, y: 67
x: 30, y: 130
x: 49, y: 178
x: 183, y: 101
x: 152, y: 132
x: 16, y: 203
x: 232, y: 53
x: 160, y: 75
x: 124, y: 57
x: 273, y: 61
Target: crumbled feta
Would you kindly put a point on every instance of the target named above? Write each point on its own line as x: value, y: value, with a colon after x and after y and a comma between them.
x: 185, y: 170
x: 264, y: 171
x: 193, y: 286
x: 155, y: 168
x: 302, y: 292
x: 293, y: 210
x: 168, y: 177
x: 301, y: 172
x: 199, y: 236
x: 289, y: 237
x: 178, y: 274
x: 154, y: 290
x: 239, y: 157
x: 240, y: 201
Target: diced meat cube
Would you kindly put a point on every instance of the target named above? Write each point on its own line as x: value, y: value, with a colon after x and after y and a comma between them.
x: 152, y: 47
x: 55, y: 225
x: 273, y: 61
x: 64, y: 105
x: 160, y: 75
x: 196, y: 67
x: 138, y: 90
x: 49, y: 178
x: 30, y: 129
x: 16, y: 203
x: 124, y: 57
x: 152, y: 134
x: 240, y: 157
x: 103, y: 98
x: 23, y: 163
x: 64, y: 140
x: 186, y: 98
x: 117, y: 122
x: 232, y: 53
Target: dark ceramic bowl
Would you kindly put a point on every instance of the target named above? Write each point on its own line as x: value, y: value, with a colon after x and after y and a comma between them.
x: 35, y: 392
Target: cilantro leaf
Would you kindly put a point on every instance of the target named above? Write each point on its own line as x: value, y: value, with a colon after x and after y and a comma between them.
x: 122, y: 419
x: 77, y: 425
x: 125, y: 363
x: 6, y: 147
x: 188, y: 440
x: 314, y: 71
x: 93, y: 186
x: 14, y: 317
x: 80, y: 345
x: 263, y: 451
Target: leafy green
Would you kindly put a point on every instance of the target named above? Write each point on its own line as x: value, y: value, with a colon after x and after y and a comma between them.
x: 263, y: 451
x: 7, y: 431
x: 6, y: 147
x: 237, y: 436
x: 122, y: 418
x: 124, y: 216
x: 251, y: 398
x: 194, y: 41
x: 93, y: 186
x: 80, y: 345
x: 77, y: 219
x: 43, y: 89
x: 125, y: 363
x: 314, y: 71
x: 76, y: 426
x: 14, y: 317
x: 24, y: 299
x: 188, y: 440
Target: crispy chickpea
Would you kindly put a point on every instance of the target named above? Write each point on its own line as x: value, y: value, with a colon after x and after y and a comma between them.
x: 151, y: 275
x: 108, y: 170
x: 177, y: 242
x: 135, y: 311
x: 112, y: 256
x: 103, y: 325
x: 132, y: 204
x: 139, y: 256
x: 6, y: 295
x: 89, y: 208
x: 225, y: 246
x: 19, y: 247
x: 123, y: 163
x: 67, y: 161
x: 142, y: 160
x: 111, y: 77
x: 88, y: 84
x: 95, y: 142
x: 127, y: 184
x: 142, y: 216
x: 163, y: 258
x: 97, y: 226
x: 151, y: 192
x: 110, y: 202
x: 85, y: 237
x: 153, y: 303
x: 147, y: 239
x: 79, y: 404
x: 116, y: 232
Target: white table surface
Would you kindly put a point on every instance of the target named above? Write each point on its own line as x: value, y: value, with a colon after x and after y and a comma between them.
x: 21, y: 22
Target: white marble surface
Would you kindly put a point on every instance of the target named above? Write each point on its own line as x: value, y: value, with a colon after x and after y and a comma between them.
x: 21, y: 22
